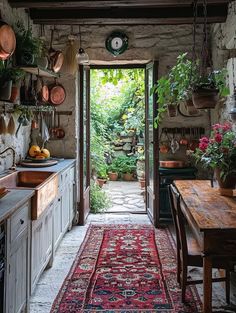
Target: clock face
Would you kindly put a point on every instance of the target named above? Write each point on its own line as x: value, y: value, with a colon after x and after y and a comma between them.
x: 117, y: 43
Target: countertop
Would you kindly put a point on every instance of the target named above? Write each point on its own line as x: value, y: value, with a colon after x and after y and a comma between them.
x: 16, y: 197
x: 12, y: 201
x: 60, y: 166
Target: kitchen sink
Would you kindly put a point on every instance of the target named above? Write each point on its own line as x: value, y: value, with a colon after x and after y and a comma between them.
x: 45, y: 185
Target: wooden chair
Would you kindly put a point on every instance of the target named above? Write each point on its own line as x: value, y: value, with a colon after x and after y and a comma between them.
x: 189, y: 253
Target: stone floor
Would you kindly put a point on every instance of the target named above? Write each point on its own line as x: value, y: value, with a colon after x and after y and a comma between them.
x: 52, y: 279
x: 125, y: 196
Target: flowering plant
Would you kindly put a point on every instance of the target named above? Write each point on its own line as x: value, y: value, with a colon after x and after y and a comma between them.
x: 219, y: 150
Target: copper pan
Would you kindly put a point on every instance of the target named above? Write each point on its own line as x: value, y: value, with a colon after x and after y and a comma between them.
x: 57, y: 93
x: 172, y: 164
x: 56, y: 57
x: 7, y: 41
x: 44, y: 92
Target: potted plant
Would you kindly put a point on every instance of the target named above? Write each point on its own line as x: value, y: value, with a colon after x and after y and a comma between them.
x: 102, y: 174
x: 17, y: 75
x: 7, y: 76
x: 127, y: 166
x: 209, y: 88
x: 28, y: 47
x: 113, y: 171
x: 219, y: 153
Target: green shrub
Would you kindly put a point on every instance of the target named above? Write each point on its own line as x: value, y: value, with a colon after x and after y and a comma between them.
x: 125, y: 164
x: 99, y: 200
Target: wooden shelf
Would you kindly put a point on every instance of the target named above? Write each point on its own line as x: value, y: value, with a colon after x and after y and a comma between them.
x: 37, y: 70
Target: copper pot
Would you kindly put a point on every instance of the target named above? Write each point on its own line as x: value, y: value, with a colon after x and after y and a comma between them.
x: 7, y: 41
x: 164, y: 148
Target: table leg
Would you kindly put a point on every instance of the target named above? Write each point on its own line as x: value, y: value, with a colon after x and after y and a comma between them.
x: 207, y: 284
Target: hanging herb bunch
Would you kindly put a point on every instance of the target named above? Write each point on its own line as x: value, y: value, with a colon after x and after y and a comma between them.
x: 28, y: 47
x: 207, y: 85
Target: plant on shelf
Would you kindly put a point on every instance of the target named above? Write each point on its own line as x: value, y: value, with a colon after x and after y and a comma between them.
x: 28, y: 47
x: 219, y: 153
x: 8, y: 75
x: 99, y: 200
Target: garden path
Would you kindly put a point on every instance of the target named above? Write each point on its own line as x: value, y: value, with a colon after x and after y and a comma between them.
x: 125, y: 196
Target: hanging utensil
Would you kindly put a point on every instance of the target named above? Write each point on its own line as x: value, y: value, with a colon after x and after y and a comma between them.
x: 60, y: 131
x: 19, y: 120
x: 174, y: 145
x: 53, y: 130
x: 56, y: 56
x: 164, y: 143
x: 11, y: 127
x: 183, y: 141
x: 45, y: 133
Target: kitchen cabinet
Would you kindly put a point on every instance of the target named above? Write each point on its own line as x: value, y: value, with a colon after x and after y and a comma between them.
x: 64, y: 205
x: 41, y: 244
x: 18, y: 263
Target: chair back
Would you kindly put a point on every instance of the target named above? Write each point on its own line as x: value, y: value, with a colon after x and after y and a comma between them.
x: 179, y: 221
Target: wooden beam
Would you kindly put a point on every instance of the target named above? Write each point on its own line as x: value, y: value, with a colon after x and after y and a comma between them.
x: 106, y: 3
x: 161, y: 15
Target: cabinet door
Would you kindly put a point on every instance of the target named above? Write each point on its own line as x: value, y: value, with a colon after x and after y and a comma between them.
x: 57, y: 223
x: 18, y: 276
x: 36, y: 251
x: 47, y: 235
x: 71, y: 201
x: 65, y: 208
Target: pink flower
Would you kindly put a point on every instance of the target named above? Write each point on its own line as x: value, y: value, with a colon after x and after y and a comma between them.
x: 212, y: 140
x: 218, y: 137
x: 204, y: 139
x: 216, y: 127
x: 227, y: 126
x: 203, y: 146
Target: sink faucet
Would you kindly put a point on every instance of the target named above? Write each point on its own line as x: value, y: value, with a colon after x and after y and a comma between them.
x: 13, y: 157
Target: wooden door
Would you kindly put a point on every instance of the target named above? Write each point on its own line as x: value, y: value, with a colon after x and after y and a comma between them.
x: 84, y: 143
x: 151, y: 145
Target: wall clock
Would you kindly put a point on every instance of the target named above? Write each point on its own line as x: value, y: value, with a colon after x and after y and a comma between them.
x: 117, y: 43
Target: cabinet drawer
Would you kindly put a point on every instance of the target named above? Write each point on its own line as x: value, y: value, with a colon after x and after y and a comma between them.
x: 19, y: 221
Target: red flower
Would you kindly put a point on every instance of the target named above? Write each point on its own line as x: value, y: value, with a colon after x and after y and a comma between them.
x: 203, y: 146
x: 216, y: 127
x: 218, y: 137
x: 204, y: 139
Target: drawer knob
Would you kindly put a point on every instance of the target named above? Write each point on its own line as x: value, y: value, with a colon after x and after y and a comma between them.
x: 22, y: 221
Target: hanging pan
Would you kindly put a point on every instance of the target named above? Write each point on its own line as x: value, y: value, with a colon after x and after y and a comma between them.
x: 56, y: 56
x: 7, y: 41
x: 43, y: 94
x: 57, y: 93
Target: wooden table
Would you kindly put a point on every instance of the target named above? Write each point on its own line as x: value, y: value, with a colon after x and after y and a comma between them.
x: 212, y: 218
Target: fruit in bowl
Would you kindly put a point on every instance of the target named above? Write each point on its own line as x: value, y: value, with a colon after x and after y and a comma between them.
x: 35, y: 153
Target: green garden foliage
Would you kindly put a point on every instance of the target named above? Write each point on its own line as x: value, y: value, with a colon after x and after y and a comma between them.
x: 99, y: 200
x: 117, y: 106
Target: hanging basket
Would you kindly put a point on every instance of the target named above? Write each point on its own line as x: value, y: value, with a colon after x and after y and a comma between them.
x: 205, y: 98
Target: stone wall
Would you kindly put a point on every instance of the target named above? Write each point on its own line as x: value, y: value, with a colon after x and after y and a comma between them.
x: 223, y: 49
x: 146, y: 43
x: 21, y: 143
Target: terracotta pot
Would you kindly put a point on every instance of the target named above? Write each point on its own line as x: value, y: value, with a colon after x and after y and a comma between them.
x: 164, y: 148
x: 101, y: 182
x: 205, y: 98
x: 128, y: 176
x: 113, y: 176
x: 228, y: 183
x: 14, y: 94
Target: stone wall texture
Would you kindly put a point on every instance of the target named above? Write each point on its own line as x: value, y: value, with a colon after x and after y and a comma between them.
x: 223, y: 51
x: 146, y: 42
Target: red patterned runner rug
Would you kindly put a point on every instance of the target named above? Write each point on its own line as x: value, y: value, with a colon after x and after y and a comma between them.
x: 126, y: 269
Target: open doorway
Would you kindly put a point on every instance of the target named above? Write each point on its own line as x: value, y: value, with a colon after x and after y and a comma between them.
x: 151, y: 139
x: 117, y: 134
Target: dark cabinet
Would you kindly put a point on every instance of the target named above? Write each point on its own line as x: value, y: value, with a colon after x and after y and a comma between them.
x: 167, y: 176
